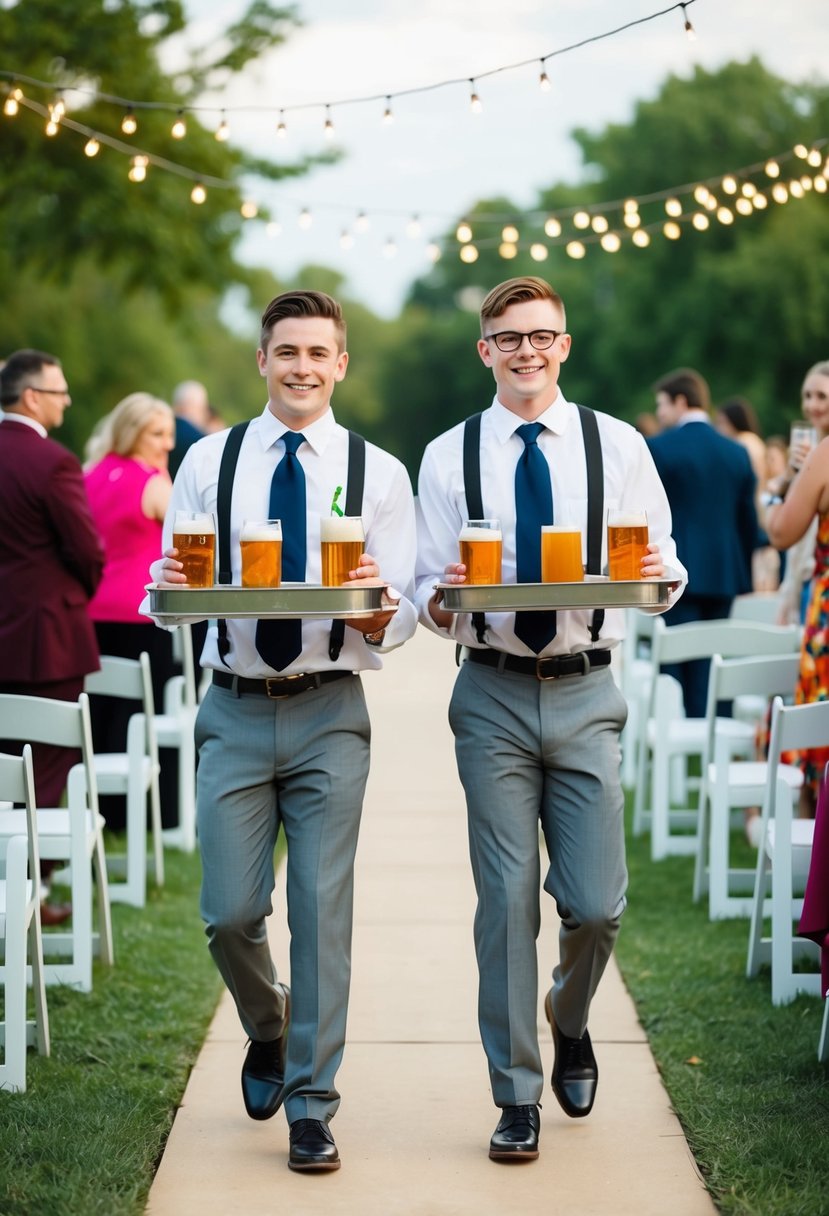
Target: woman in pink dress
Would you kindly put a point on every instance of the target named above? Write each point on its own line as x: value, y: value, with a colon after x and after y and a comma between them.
x: 129, y: 488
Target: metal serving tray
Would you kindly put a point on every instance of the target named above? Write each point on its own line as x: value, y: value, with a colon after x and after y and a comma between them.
x: 595, y: 592
x: 305, y: 600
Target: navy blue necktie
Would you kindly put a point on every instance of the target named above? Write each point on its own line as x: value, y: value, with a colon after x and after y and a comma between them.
x: 279, y: 642
x: 533, y: 507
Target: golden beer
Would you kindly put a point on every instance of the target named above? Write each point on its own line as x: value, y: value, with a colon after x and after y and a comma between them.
x: 481, y: 550
x: 561, y: 555
x: 627, y: 544
x: 261, y: 545
x: 195, y: 540
x: 341, y: 546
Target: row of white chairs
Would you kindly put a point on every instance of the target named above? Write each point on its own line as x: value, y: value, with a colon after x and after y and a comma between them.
x: 73, y: 835
x: 731, y: 779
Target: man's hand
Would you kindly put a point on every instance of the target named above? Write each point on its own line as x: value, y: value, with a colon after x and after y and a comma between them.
x: 168, y: 570
x: 368, y: 572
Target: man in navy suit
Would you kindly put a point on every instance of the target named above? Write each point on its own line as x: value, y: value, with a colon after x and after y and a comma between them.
x: 51, y: 561
x: 710, y: 486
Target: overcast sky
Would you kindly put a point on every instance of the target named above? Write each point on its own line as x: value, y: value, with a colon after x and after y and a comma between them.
x: 437, y: 158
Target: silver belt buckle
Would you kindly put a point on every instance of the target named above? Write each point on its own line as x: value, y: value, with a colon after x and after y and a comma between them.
x: 279, y: 680
x: 539, y: 671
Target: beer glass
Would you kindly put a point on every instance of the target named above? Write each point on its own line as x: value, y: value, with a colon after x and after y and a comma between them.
x: 561, y: 554
x: 481, y: 547
x: 261, y: 543
x: 802, y: 438
x: 194, y: 535
x: 627, y: 542
x: 341, y: 544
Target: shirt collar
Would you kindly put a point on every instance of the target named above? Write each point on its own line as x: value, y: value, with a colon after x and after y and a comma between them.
x: 317, y: 433
x: 694, y: 416
x: 555, y: 418
x: 26, y: 420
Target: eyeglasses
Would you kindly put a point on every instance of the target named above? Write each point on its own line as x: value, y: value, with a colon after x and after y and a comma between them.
x: 53, y: 392
x: 510, y: 340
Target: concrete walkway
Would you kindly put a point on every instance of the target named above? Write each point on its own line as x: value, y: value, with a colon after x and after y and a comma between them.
x: 416, y: 1115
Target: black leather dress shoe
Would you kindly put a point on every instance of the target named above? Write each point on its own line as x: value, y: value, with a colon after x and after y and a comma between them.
x: 575, y: 1071
x: 312, y: 1146
x: 263, y: 1072
x: 516, y: 1136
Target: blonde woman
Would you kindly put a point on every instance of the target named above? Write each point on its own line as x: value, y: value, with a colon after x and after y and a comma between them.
x: 129, y: 486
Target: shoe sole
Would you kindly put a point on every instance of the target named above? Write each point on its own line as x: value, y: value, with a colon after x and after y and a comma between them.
x: 313, y: 1167
x: 497, y: 1155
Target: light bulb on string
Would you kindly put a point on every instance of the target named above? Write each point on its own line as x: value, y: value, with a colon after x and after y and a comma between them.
x: 413, y: 227
x: 509, y: 233
x: 475, y: 104
x: 552, y: 227
x: 641, y: 238
x: 581, y: 220
x: 701, y: 194
x: 57, y: 109
x: 820, y: 184
x: 388, y: 113
x: 759, y: 201
x: 575, y: 249
x: 248, y: 209
x: 806, y: 182
x: 744, y: 206
x: 632, y: 219
x: 599, y: 224
x: 362, y: 222
x: 198, y: 194
x: 179, y: 127
x: 468, y: 254
x: 223, y: 130
x: 543, y: 79
x: 390, y: 248
x: 772, y: 168
x: 52, y: 127
x: 729, y: 185
x: 273, y: 229
x: 749, y: 189
x: 779, y: 193
x: 611, y: 242
x: 795, y: 189
x: 463, y: 232
x: 508, y: 249
x: 434, y: 252
x: 128, y: 123
x: 673, y: 207
x: 328, y: 125
x: 138, y: 169
x: 801, y: 150
x: 92, y: 147
x: 700, y: 221
x: 630, y: 206
x: 281, y: 129
x: 346, y: 239
x: 305, y: 219
x: 725, y: 215
x: 814, y: 158
x: 12, y: 103
x: 690, y: 32
x: 538, y: 252
x: 672, y: 230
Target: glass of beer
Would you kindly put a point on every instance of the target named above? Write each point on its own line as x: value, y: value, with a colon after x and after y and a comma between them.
x: 802, y: 438
x: 481, y: 547
x: 342, y: 539
x: 194, y: 535
x: 561, y: 554
x: 261, y: 544
x: 627, y: 542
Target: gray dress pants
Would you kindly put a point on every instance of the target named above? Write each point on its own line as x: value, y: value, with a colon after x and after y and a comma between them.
x: 539, y: 754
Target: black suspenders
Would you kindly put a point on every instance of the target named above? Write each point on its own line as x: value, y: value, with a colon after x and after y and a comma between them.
x: 595, y: 499
x: 227, y: 471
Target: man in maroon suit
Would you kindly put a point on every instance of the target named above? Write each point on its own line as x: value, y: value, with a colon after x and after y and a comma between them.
x: 51, y: 560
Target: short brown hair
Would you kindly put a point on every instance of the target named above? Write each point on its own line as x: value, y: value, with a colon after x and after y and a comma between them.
x: 687, y: 383
x: 302, y: 304
x: 20, y: 370
x: 518, y: 291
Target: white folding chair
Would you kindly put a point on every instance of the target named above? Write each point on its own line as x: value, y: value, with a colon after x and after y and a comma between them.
x: 760, y: 606
x: 729, y: 783
x: 174, y: 728
x: 669, y: 735
x: 636, y: 672
x: 783, y: 857
x: 823, y: 1041
x: 20, y: 929
x: 73, y: 834
x: 134, y: 773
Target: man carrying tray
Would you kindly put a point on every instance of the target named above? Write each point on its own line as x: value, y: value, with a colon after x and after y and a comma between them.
x: 535, y: 711
x: 283, y: 732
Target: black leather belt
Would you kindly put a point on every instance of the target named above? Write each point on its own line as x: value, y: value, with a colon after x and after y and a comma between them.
x: 277, y: 687
x: 552, y: 668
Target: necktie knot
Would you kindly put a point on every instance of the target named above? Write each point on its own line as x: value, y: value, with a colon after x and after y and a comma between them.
x: 530, y: 431
x: 292, y: 440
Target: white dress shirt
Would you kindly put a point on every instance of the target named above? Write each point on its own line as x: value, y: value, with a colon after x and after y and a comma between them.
x: 388, y: 519
x: 630, y: 481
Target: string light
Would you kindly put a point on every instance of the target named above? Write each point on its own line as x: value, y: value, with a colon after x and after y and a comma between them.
x: 539, y: 252
x: 389, y: 248
x: 744, y: 206
x: 700, y: 221
x: 475, y: 103
x: 641, y: 238
x: 128, y: 123
x: 52, y: 127
x: 413, y: 228
x: 281, y: 129
x: 581, y: 220
x: 468, y: 253
x: 12, y: 103
x: 611, y: 242
x: 388, y: 116
x: 138, y: 169
x: 814, y: 158
x: 434, y: 252
x: 729, y: 185
x: 779, y: 193
x: 632, y: 219
x: 599, y: 224
x: 759, y: 202
x: 362, y: 222
x: 820, y: 186
x: 179, y: 127
x: 346, y: 239
x: 725, y: 215
x: 575, y: 249
x: 509, y: 234
x: 689, y: 29
x: 673, y: 207
x: 508, y: 250
x: 672, y: 230
x: 328, y: 125
x: 772, y: 168
x: 92, y: 147
x: 463, y: 232
x: 273, y: 228
x: 57, y: 109
x: 796, y: 189
x: 544, y: 80
x: 198, y: 194
x: 305, y: 219
x: 552, y: 227
x: 223, y: 130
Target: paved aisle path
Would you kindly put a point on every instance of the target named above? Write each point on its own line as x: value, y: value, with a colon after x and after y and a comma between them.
x: 416, y: 1114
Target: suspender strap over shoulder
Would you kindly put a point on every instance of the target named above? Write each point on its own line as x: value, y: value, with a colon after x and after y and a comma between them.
x: 227, y: 471
x: 353, y: 506
x: 595, y: 504
x: 474, y: 494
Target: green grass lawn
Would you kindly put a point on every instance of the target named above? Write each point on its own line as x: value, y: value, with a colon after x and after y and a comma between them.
x: 743, y: 1076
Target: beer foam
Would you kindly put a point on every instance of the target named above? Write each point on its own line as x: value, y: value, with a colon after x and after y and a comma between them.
x: 341, y: 528
x: 479, y: 534
x: 256, y: 531
x: 203, y: 526
x: 569, y: 528
x: 628, y: 519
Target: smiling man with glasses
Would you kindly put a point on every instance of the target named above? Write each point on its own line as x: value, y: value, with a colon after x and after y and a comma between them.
x: 51, y: 561
x: 535, y: 711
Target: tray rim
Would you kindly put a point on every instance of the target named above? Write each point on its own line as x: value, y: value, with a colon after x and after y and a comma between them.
x: 194, y: 606
x: 627, y: 593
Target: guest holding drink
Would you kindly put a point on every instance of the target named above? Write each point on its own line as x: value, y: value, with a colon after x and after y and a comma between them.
x: 283, y: 732
x: 710, y: 485
x: 51, y: 561
x: 129, y: 489
x: 535, y: 711
x: 796, y: 507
